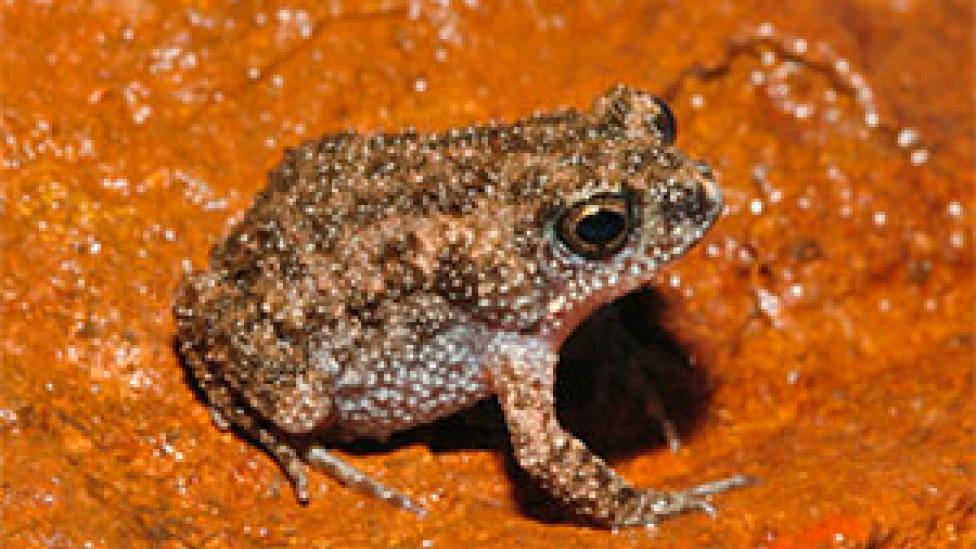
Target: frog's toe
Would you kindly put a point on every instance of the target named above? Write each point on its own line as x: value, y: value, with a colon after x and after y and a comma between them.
x: 360, y: 481
x: 696, y: 498
x: 671, y: 435
x: 723, y: 485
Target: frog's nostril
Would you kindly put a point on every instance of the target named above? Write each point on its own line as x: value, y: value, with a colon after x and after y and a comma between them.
x: 705, y: 170
x: 710, y: 194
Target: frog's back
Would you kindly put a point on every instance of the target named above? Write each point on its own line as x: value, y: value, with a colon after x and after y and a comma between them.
x: 349, y: 293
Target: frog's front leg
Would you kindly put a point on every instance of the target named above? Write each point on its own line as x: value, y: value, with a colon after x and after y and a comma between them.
x: 523, y: 373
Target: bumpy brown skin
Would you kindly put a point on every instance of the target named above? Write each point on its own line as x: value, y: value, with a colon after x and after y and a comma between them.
x: 380, y: 282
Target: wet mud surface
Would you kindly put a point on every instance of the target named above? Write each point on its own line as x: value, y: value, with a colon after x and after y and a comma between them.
x: 821, y: 338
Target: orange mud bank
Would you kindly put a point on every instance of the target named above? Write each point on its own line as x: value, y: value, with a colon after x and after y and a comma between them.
x: 821, y: 338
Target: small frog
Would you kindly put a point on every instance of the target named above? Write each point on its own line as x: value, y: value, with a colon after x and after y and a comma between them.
x: 380, y: 282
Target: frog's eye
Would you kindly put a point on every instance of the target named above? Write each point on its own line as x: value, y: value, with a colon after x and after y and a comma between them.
x: 664, y: 122
x: 597, y: 228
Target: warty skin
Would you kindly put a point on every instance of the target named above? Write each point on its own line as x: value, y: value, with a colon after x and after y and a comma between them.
x: 380, y: 282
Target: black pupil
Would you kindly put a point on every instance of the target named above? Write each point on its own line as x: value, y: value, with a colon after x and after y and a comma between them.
x: 601, y: 227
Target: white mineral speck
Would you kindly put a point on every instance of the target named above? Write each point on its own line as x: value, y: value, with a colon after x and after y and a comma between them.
x: 907, y: 137
x: 954, y: 209
x: 756, y: 206
x: 919, y: 157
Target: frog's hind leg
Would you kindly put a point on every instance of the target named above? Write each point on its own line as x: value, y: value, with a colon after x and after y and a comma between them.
x: 360, y: 481
x: 289, y: 460
x: 227, y: 414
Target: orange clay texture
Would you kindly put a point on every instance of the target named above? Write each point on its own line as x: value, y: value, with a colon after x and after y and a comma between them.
x: 828, y: 316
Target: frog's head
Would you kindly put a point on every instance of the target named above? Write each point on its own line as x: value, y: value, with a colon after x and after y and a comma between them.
x: 568, y: 211
x: 641, y: 204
